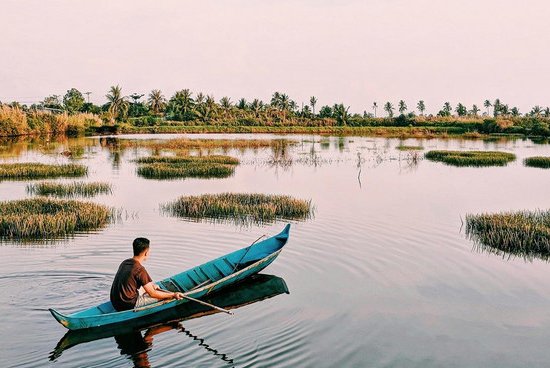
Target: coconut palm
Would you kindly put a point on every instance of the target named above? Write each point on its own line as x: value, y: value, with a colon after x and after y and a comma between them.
x: 421, y: 106
x: 388, y: 107
x: 118, y: 105
x: 313, y: 102
x: 241, y: 104
x: 374, y: 107
x: 497, y: 107
x: 461, y: 109
x: 200, y: 98
x: 402, y: 107
x: 515, y: 111
x: 536, y: 111
x: 341, y: 114
x: 487, y: 105
x: 181, y: 104
x: 156, y: 101
x: 475, y: 110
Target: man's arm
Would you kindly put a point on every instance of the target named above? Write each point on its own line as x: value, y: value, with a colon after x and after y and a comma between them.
x: 153, y: 290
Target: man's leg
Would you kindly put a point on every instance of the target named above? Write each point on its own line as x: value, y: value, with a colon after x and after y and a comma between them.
x: 145, y: 299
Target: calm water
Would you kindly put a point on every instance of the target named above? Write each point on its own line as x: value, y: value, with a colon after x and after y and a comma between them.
x: 382, y: 276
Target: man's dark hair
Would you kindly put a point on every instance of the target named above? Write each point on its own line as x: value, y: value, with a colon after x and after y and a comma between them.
x: 140, y: 245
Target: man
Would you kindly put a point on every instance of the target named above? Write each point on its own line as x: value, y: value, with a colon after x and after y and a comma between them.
x: 131, y: 275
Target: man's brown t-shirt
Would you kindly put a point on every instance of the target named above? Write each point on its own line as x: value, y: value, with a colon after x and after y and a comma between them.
x: 131, y: 275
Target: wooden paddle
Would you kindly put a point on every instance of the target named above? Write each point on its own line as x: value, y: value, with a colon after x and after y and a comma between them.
x: 202, y: 302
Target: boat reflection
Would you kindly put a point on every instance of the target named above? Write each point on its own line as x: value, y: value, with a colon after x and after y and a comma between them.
x: 135, y: 344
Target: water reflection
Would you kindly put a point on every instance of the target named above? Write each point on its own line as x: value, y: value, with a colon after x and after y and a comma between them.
x: 133, y: 343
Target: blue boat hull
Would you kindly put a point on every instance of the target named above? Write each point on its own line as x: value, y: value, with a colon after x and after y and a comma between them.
x: 196, y: 283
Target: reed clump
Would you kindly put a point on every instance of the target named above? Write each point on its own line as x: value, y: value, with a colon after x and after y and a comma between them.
x: 187, y: 144
x: 525, y: 233
x: 538, y: 161
x: 180, y: 167
x: 409, y: 148
x: 31, y: 170
x: 74, y: 189
x: 43, y: 218
x: 240, y: 208
x: 471, y: 158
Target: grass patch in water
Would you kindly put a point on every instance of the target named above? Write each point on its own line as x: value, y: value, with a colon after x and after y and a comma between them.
x: 471, y: 158
x: 538, y: 161
x: 215, y: 159
x: 174, y: 167
x: 201, y: 143
x: 409, y: 148
x: 43, y: 218
x: 524, y: 233
x: 73, y: 189
x: 40, y: 171
x: 240, y: 208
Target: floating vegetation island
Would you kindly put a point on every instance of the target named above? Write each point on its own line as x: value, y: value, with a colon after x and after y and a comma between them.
x: 240, y: 208
x: 409, y: 148
x: 523, y: 233
x: 73, y: 189
x: 42, y: 218
x: 471, y: 158
x: 172, y: 167
x: 538, y: 161
x: 29, y: 170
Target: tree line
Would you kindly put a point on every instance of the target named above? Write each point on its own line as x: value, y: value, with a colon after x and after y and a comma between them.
x: 185, y: 105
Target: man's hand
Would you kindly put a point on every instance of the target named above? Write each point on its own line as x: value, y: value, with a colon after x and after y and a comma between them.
x: 178, y: 296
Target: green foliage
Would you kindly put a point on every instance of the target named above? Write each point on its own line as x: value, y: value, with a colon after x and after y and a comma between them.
x: 240, y: 208
x: 409, y: 148
x: 216, y: 159
x: 471, y: 158
x: 41, y: 218
x: 524, y: 233
x: 19, y: 171
x: 538, y: 161
x: 73, y: 101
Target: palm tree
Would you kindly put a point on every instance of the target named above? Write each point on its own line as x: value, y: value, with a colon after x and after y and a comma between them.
x: 156, y: 101
x: 515, y: 111
x: 374, y: 107
x: 118, y: 105
x: 475, y: 110
x: 447, y: 108
x: 536, y: 111
x: 461, y: 109
x: 242, y: 104
x: 200, y: 98
x: 181, y: 105
x: 256, y: 106
x: 225, y: 103
x: 487, y: 105
x: 402, y: 107
x: 313, y: 102
x: 547, y: 112
x: 276, y: 100
x: 497, y: 107
x: 388, y: 107
x: 341, y: 113
x: 421, y: 107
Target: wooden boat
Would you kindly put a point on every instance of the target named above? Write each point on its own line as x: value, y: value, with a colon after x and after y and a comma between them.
x: 254, y: 289
x: 195, y: 283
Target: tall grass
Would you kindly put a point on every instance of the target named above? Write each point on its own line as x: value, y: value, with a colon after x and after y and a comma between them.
x: 73, y: 189
x: 172, y: 167
x: 525, y: 233
x: 240, y: 208
x: 215, y: 159
x: 18, y: 171
x: 471, y: 158
x: 42, y: 218
x: 186, y: 143
x: 538, y: 161
x: 14, y: 121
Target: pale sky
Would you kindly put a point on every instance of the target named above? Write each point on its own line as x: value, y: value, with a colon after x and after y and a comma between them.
x: 354, y: 52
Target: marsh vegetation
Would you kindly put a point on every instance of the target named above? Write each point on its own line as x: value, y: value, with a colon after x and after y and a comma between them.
x: 74, y: 189
x: 172, y: 167
x: 542, y: 162
x: 524, y: 233
x: 33, y: 170
x: 471, y: 158
x: 240, y: 208
x: 43, y: 218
